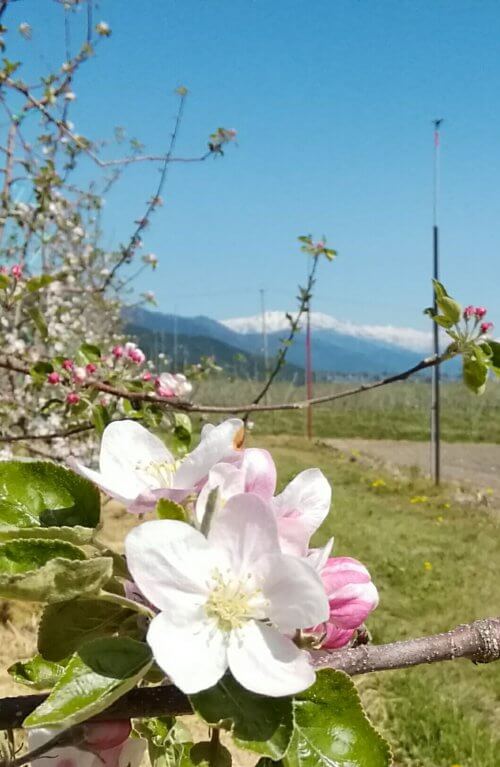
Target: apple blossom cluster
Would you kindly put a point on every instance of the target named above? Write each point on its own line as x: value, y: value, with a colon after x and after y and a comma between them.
x: 120, y: 361
x: 477, y: 313
x: 230, y: 578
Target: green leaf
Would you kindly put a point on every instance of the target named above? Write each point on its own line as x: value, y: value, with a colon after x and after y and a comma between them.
x: 42, y: 493
x: 167, y: 509
x: 39, y: 281
x: 100, y: 673
x: 443, y: 321
x: 169, y: 741
x: 25, y: 555
x: 39, y: 321
x: 183, y: 429
x: 439, y: 289
x: 331, y: 728
x: 475, y: 374
x: 494, y: 357
x: 100, y: 418
x: 58, y: 580
x: 89, y: 353
x: 210, y: 754
x: 66, y: 626
x: 40, y: 370
x: 450, y: 308
x: 259, y: 724
x: 36, y: 672
x: 4, y: 281
x: 78, y: 535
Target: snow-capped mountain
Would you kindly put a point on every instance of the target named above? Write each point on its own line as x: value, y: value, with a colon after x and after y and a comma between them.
x: 339, y: 347
x: 276, y: 322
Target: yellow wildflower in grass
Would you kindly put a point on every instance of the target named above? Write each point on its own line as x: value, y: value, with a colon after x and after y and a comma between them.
x: 489, y: 491
x: 419, y: 499
x: 428, y: 566
x: 439, y: 519
x: 378, y: 483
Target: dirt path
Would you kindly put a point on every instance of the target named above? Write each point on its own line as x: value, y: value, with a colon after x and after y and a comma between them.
x: 477, y: 464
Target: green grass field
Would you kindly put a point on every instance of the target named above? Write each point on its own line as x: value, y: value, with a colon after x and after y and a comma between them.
x: 397, y: 411
x: 436, y: 564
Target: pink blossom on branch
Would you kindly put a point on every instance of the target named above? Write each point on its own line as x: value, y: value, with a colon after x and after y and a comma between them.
x: 172, y: 385
x: 480, y: 312
x: 72, y: 398
x: 469, y: 312
x: 54, y: 378
x: 351, y: 597
x: 485, y: 327
x: 17, y: 271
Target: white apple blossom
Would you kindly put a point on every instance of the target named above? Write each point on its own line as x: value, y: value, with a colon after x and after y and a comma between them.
x: 137, y: 469
x: 173, y: 385
x: 231, y: 600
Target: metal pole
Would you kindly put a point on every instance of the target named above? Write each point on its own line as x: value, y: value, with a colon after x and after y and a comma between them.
x: 264, y: 331
x: 435, y: 402
x: 309, y: 379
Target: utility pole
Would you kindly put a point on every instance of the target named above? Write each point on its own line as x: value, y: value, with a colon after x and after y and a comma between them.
x: 264, y: 330
x: 309, y: 378
x: 309, y: 375
x: 435, y: 402
x: 175, y: 340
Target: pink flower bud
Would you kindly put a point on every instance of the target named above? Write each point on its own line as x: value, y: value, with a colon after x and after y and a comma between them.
x: 72, y: 398
x: 117, y: 351
x: 485, y: 327
x: 104, y: 735
x: 469, y: 312
x: 479, y: 312
x: 351, y: 595
x: 17, y: 271
x: 91, y: 368
x: 137, y: 356
x: 68, y: 365
x: 54, y: 378
x: 147, y: 376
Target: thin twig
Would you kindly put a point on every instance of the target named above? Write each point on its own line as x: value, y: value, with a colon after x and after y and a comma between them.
x: 294, y: 327
x: 153, y: 202
x: 478, y: 642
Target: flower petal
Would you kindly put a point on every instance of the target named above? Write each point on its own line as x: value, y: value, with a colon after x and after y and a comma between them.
x: 245, y: 529
x: 228, y: 479
x: 216, y: 444
x: 260, y: 472
x: 295, y: 592
x: 126, y: 446
x: 125, y: 492
x: 194, y: 655
x: 171, y: 563
x: 307, y: 497
x: 266, y: 662
x: 317, y: 558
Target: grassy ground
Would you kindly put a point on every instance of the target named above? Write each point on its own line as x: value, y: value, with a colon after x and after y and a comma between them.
x: 398, y: 411
x: 436, y: 564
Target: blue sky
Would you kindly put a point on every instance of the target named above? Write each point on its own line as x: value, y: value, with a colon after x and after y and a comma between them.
x: 333, y: 102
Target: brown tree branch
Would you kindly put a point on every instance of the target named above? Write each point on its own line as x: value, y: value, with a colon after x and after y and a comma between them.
x: 191, y: 407
x: 478, y: 641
